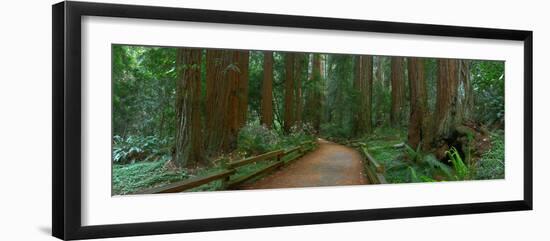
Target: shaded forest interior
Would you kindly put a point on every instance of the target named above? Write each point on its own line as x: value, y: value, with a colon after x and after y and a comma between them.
x: 182, y: 112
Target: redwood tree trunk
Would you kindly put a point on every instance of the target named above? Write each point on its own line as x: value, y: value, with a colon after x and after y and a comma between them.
x: 222, y: 102
x: 468, y: 98
x: 289, y: 92
x: 367, y: 68
x: 299, y: 62
x: 188, y: 149
x: 447, y: 85
x: 379, y: 69
x: 363, y: 81
x: 242, y: 92
x: 362, y: 113
x: 397, y: 91
x: 234, y: 98
x: 313, y: 103
x: 267, y: 91
x: 418, y: 121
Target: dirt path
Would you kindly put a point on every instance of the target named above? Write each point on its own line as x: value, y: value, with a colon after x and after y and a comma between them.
x: 330, y: 164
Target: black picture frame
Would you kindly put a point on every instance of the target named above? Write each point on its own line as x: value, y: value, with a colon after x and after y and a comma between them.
x: 66, y: 128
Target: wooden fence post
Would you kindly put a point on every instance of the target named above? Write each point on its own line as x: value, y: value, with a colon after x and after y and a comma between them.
x: 224, y: 181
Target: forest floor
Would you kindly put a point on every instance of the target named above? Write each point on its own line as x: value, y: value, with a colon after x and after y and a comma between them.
x: 330, y: 164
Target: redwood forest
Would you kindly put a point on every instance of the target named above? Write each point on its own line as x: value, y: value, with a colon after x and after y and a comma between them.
x: 196, y: 119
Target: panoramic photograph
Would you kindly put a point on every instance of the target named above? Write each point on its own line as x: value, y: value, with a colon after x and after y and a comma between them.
x: 201, y: 119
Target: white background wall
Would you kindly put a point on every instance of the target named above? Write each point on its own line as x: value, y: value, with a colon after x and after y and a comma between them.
x: 25, y: 129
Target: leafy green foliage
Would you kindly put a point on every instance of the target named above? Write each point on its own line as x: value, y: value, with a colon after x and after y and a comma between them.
x: 488, y: 83
x: 422, y: 178
x: 405, y: 164
x: 461, y: 170
x: 144, y: 80
x: 139, y: 148
x: 134, y: 177
x: 339, y: 101
x: 335, y: 131
x: 256, y: 139
x: 491, y: 164
x: 435, y: 164
x: 414, y: 155
x: 381, y: 103
x: 414, y: 177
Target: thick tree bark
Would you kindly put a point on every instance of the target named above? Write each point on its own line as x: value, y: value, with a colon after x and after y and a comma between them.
x: 188, y: 149
x: 363, y: 81
x: 468, y: 98
x: 233, y: 77
x: 216, y: 99
x: 367, y: 73
x: 299, y: 63
x: 289, y: 92
x: 419, y: 133
x: 222, y: 102
x: 360, y: 85
x: 397, y: 91
x: 447, y: 85
x: 379, y: 69
x: 242, y: 93
x: 267, y: 91
x: 313, y: 108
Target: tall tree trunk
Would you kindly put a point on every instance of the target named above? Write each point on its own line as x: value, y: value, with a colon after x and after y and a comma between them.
x: 447, y: 85
x: 188, y: 149
x: 363, y: 81
x: 222, y: 102
x: 313, y: 108
x: 289, y: 92
x: 397, y: 91
x: 380, y: 111
x: 320, y: 91
x: 299, y: 63
x: 242, y: 93
x: 419, y: 133
x: 359, y: 84
x: 367, y: 73
x: 379, y: 69
x: 217, y: 99
x: 233, y: 77
x: 267, y: 91
x: 468, y: 99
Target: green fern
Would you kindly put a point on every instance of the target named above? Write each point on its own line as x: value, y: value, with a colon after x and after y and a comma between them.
x: 427, y: 179
x: 414, y: 155
x: 414, y: 177
x: 421, y: 178
x: 461, y: 169
x: 436, y: 164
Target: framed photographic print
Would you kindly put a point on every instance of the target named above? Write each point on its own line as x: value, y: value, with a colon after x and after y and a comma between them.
x: 169, y: 120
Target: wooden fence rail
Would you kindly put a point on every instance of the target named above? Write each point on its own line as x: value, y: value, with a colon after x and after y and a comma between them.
x: 375, y: 170
x: 261, y: 157
x: 232, y: 167
x: 188, y: 184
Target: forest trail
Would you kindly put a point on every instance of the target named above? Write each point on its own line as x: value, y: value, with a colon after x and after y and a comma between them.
x: 330, y: 164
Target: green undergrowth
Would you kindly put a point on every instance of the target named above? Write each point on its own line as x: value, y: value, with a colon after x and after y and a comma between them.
x: 406, y: 165
x: 491, y: 163
x: 255, y: 139
x: 130, y: 178
x: 133, y: 177
x: 381, y: 145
